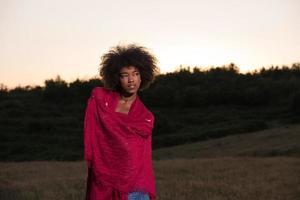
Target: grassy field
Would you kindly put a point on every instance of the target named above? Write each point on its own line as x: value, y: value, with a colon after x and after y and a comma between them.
x: 228, y: 178
x: 179, y: 179
x: 260, y: 166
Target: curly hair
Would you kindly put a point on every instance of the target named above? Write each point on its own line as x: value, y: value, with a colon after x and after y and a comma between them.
x: 125, y: 56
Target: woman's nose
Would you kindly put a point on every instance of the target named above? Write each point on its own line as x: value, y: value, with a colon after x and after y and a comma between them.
x: 130, y: 79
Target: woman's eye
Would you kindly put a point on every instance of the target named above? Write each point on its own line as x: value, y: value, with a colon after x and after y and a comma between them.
x: 124, y: 75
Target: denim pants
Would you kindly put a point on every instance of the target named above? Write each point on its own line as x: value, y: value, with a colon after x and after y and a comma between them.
x: 138, y: 196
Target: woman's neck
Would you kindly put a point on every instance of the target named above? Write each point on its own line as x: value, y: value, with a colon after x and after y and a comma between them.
x: 127, y: 98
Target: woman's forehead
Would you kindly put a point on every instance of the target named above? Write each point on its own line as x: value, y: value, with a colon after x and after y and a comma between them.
x: 128, y: 69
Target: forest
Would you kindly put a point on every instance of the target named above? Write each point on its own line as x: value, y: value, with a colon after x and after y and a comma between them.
x: 190, y: 105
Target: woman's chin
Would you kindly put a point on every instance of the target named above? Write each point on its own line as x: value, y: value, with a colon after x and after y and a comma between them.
x: 130, y: 91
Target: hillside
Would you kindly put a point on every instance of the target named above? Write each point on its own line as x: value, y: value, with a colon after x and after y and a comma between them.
x: 46, y: 123
x: 279, y: 141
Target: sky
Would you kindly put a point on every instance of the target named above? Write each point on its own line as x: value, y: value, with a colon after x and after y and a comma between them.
x: 40, y: 39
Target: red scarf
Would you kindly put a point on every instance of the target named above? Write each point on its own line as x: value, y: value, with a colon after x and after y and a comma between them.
x: 117, y: 147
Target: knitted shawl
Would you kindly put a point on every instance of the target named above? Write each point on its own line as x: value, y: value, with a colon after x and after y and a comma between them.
x: 117, y: 147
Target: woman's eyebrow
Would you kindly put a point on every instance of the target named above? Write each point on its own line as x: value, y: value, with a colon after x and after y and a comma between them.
x: 129, y: 72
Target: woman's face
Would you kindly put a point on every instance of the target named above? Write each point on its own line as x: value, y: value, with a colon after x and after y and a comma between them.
x: 130, y: 79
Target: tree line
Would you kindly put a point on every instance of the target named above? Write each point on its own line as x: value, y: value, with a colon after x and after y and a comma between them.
x: 189, y: 88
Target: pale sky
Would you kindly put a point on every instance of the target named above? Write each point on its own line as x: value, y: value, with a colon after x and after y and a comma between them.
x: 40, y: 39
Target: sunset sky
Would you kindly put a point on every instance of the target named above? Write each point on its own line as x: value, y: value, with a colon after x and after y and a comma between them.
x: 41, y: 39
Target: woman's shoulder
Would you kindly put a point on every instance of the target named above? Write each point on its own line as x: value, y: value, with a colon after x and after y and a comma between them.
x: 100, y: 92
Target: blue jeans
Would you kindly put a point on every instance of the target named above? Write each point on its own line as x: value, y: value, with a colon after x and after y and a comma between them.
x: 138, y: 196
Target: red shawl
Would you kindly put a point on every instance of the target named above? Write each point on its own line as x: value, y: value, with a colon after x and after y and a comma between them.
x: 117, y: 148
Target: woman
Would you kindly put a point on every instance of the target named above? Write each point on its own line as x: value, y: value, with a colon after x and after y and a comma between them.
x: 118, y: 128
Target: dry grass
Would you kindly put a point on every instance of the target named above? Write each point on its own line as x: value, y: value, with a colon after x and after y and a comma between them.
x: 42, y: 180
x: 238, y: 178
x: 229, y: 178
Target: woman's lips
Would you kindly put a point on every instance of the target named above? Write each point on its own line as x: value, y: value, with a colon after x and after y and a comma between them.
x: 131, y: 86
